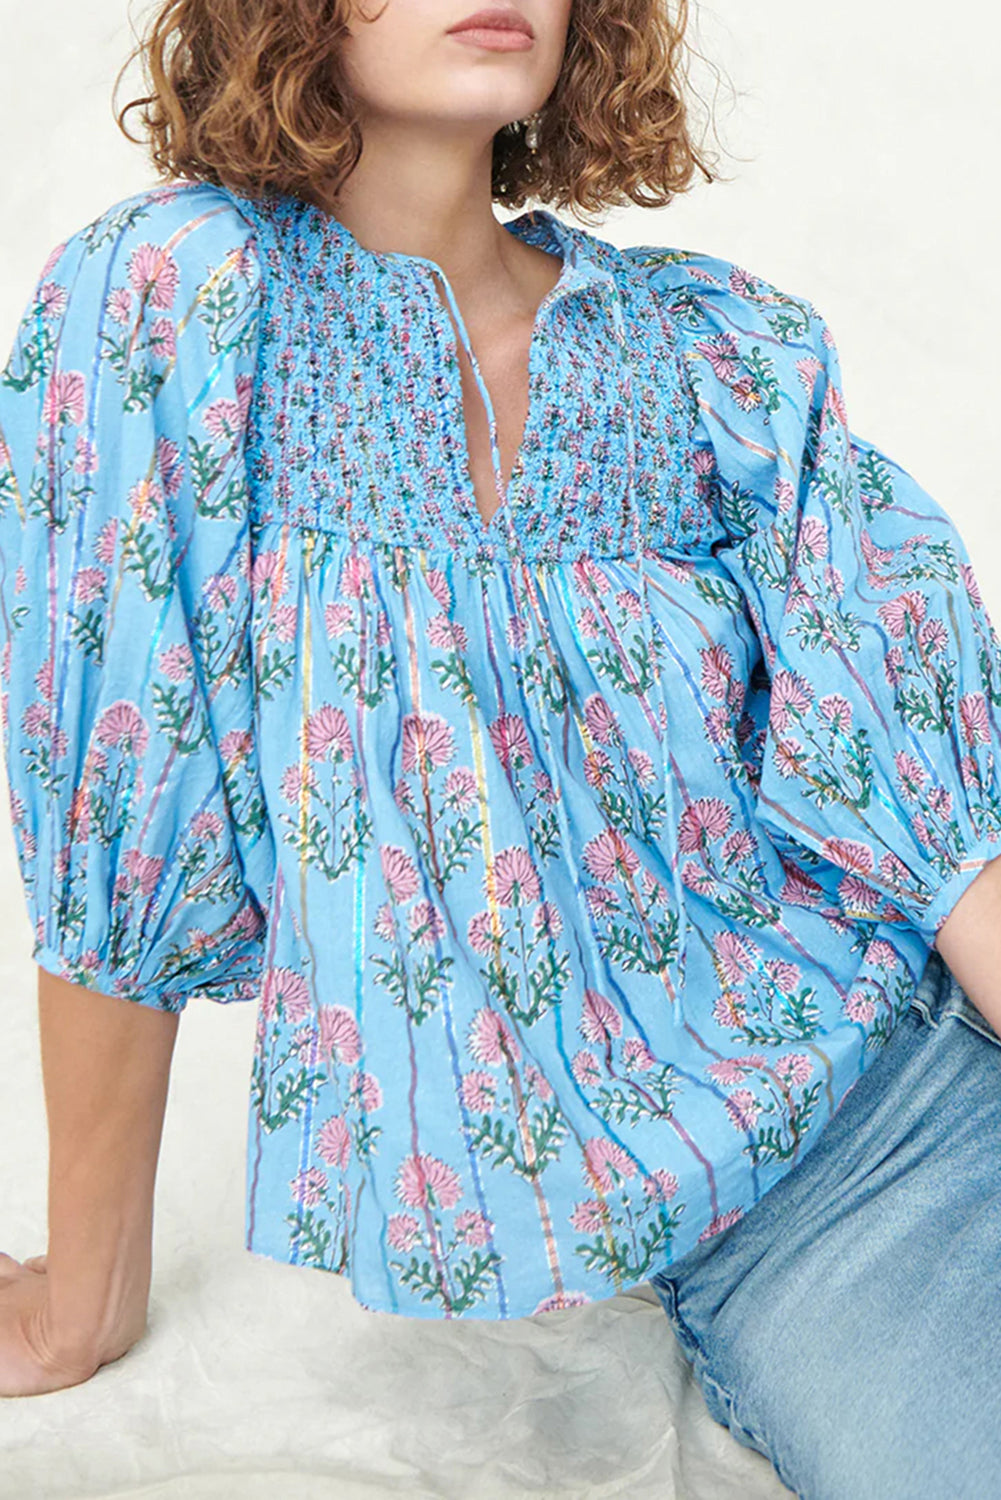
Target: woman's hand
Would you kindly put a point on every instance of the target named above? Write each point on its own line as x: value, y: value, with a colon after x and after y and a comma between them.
x: 35, y: 1357
x: 105, y: 1068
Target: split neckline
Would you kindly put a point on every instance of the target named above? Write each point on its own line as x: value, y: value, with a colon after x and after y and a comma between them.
x: 582, y: 269
x: 576, y: 246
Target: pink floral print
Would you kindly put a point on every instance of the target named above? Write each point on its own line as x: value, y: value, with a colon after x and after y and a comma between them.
x: 577, y: 862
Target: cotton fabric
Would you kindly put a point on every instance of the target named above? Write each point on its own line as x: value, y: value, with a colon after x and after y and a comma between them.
x: 846, y: 1327
x: 579, y: 861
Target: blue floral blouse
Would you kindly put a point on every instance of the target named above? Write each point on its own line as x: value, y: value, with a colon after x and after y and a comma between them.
x: 579, y: 861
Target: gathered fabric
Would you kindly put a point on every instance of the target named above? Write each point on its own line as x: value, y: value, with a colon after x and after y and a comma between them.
x: 578, y: 860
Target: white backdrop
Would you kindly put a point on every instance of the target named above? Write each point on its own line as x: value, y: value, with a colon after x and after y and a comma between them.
x: 862, y: 143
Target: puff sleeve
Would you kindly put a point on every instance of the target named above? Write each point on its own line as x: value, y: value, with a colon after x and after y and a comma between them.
x: 882, y: 741
x: 138, y: 814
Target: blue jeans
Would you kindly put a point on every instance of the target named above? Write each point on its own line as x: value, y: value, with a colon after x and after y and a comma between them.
x: 849, y: 1326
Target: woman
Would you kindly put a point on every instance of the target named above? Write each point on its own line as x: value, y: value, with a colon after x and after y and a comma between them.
x: 491, y: 651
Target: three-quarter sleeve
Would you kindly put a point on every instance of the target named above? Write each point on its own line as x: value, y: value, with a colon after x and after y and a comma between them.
x: 881, y: 747
x: 135, y: 794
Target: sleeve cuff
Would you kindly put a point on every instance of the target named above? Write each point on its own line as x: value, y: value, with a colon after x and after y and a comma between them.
x: 947, y: 897
x: 96, y: 976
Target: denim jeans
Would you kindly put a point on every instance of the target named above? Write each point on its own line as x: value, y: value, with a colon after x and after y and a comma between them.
x: 848, y: 1327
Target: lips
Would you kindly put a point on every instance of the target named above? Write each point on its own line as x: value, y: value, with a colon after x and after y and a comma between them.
x: 494, y: 20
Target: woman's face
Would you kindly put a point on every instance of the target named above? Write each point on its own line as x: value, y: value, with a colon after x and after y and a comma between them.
x: 408, y: 72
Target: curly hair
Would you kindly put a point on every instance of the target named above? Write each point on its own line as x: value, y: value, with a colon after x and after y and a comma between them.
x: 252, y: 95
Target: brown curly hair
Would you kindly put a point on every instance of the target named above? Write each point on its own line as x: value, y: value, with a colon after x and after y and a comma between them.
x: 251, y: 95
